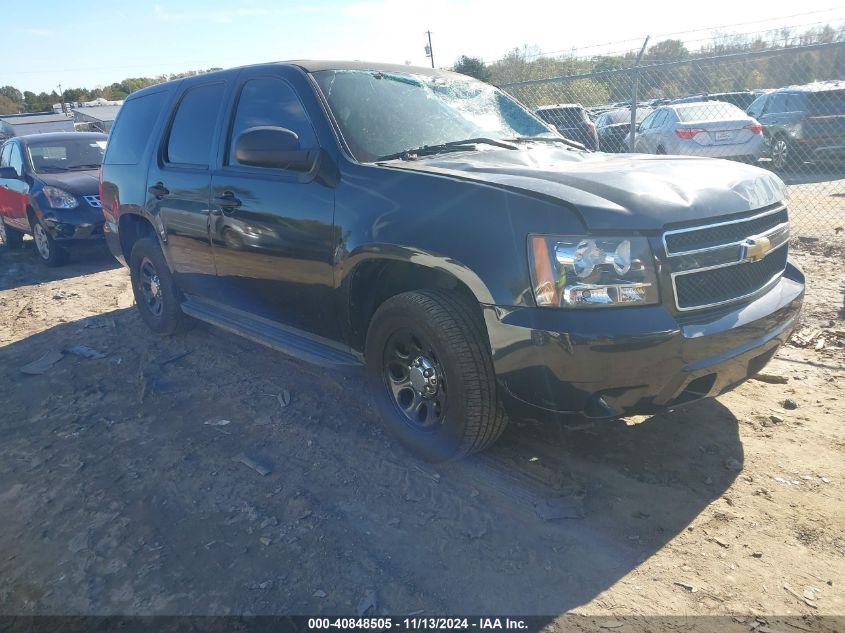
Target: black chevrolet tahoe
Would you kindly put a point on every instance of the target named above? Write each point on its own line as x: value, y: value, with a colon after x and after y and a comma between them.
x: 426, y: 226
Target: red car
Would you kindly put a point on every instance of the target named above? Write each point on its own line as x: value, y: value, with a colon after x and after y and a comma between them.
x: 49, y: 188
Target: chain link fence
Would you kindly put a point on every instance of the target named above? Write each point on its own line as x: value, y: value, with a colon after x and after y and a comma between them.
x: 781, y: 109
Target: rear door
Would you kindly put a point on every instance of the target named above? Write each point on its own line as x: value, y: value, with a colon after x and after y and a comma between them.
x: 824, y: 124
x: 272, y: 230
x: 14, y: 192
x: 651, y: 135
x: 179, y: 181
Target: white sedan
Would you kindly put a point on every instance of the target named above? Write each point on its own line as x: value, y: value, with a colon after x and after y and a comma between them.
x: 709, y: 128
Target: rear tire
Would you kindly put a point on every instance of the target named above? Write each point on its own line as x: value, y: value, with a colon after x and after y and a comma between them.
x: 47, y: 248
x: 158, y: 298
x: 11, y: 238
x: 452, y: 411
x: 661, y: 150
x: 784, y: 153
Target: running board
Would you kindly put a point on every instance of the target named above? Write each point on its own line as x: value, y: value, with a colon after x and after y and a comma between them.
x: 271, y: 334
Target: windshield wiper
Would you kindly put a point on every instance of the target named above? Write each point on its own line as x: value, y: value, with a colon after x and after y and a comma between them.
x: 451, y: 146
x: 46, y: 168
x: 548, y: 139
x: 88, y: 166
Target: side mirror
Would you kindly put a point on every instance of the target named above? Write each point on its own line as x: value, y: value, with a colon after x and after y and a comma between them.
x: 274, y: 147
x: 9, y: 173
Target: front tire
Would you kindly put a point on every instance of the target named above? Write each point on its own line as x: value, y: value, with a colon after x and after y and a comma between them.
x: 430, y: 371
x: 158, y: 298
x: 47, y: 248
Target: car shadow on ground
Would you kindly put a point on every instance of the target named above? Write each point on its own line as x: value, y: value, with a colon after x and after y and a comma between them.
x: 130, y: 485
x: 22, y: 266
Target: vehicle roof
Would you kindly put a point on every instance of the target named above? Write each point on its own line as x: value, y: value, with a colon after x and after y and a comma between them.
x: 30, y: 119
x: 694, y: 104
x: 559, y: 105
x: 309, y: 66
x: 60, y: 136
x: 818, y: 86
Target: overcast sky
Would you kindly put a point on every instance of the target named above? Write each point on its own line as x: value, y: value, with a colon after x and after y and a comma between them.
x: 86, y: 43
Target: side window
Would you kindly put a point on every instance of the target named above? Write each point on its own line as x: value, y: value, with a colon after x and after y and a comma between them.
x: 757, y: 107
x: 795, y: 102
x: 4, y: 155
x: 16, y: 159
x: 131, y: 130
x: 659, y: 119
x: 270, y: 101
x: 777, y: 103
x: 192, y: 131
x: 646, y: 124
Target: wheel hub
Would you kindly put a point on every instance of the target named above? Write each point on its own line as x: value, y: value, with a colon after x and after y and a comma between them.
x: 155, y: 286
x: 423, y: 376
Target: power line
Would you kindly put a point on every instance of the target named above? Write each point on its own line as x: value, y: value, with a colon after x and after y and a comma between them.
x: 699, y: 30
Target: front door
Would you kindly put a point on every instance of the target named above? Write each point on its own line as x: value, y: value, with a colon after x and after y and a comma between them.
x: 14, y: 192
x: 272, y: 234
x: 179, y: 186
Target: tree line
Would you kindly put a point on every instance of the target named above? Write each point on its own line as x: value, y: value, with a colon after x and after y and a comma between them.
x: 14, y: 101
x: 790, y: 68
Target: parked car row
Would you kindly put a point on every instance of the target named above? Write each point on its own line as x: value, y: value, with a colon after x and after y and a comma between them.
x: 787, y: 126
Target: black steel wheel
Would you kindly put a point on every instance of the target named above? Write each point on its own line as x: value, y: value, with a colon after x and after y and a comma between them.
x: 151, y: 287
x: 158, y: 298
x: 431, y: 374
x: 415, y: 380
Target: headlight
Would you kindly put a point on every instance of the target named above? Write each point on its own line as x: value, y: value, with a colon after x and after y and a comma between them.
x: 59, y: 198
x: 584, y: 272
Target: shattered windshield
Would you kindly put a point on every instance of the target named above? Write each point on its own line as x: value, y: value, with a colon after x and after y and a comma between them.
x: 382, y: 113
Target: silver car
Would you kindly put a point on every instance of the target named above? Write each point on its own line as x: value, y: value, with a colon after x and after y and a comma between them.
x: 715, y: 129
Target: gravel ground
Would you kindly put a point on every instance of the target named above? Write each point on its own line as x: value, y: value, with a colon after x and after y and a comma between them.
x: 123, y: 488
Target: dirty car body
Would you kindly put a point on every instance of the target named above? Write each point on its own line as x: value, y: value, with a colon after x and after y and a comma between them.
x: 605, y: 285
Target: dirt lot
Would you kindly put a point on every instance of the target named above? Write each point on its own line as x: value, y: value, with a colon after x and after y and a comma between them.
x: 119, y: 493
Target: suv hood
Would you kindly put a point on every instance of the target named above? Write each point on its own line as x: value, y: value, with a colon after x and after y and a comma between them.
x: 79, y: 183
x: 617, y: 191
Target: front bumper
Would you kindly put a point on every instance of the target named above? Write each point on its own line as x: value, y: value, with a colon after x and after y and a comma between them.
x: 83, y: 223
x: 605, y: 363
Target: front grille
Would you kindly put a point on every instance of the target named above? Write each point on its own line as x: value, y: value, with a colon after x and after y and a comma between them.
x: 93, y: 201
x: 726, y: 261
x: 723, y: 233
x: 728, y: 283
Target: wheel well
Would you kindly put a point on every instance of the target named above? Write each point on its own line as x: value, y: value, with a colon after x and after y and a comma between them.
x: 375, y: 282
x: 133, y: 227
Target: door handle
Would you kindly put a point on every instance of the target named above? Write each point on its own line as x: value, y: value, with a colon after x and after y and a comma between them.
x: 227, y: 201
x: 159, y: 190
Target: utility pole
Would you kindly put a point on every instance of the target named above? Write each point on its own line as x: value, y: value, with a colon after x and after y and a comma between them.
x: 429, y: 51
x: 62, y: 98
x: 635, y: 84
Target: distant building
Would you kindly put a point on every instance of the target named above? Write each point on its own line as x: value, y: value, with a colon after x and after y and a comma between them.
x: 98, y: 118
x: 33, y: 123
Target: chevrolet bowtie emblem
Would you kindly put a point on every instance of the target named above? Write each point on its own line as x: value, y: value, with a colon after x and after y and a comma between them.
x: 754, y: 249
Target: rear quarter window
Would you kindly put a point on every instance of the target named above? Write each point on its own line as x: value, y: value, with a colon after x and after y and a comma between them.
x: 133, y: 128
x: 828, y: 103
